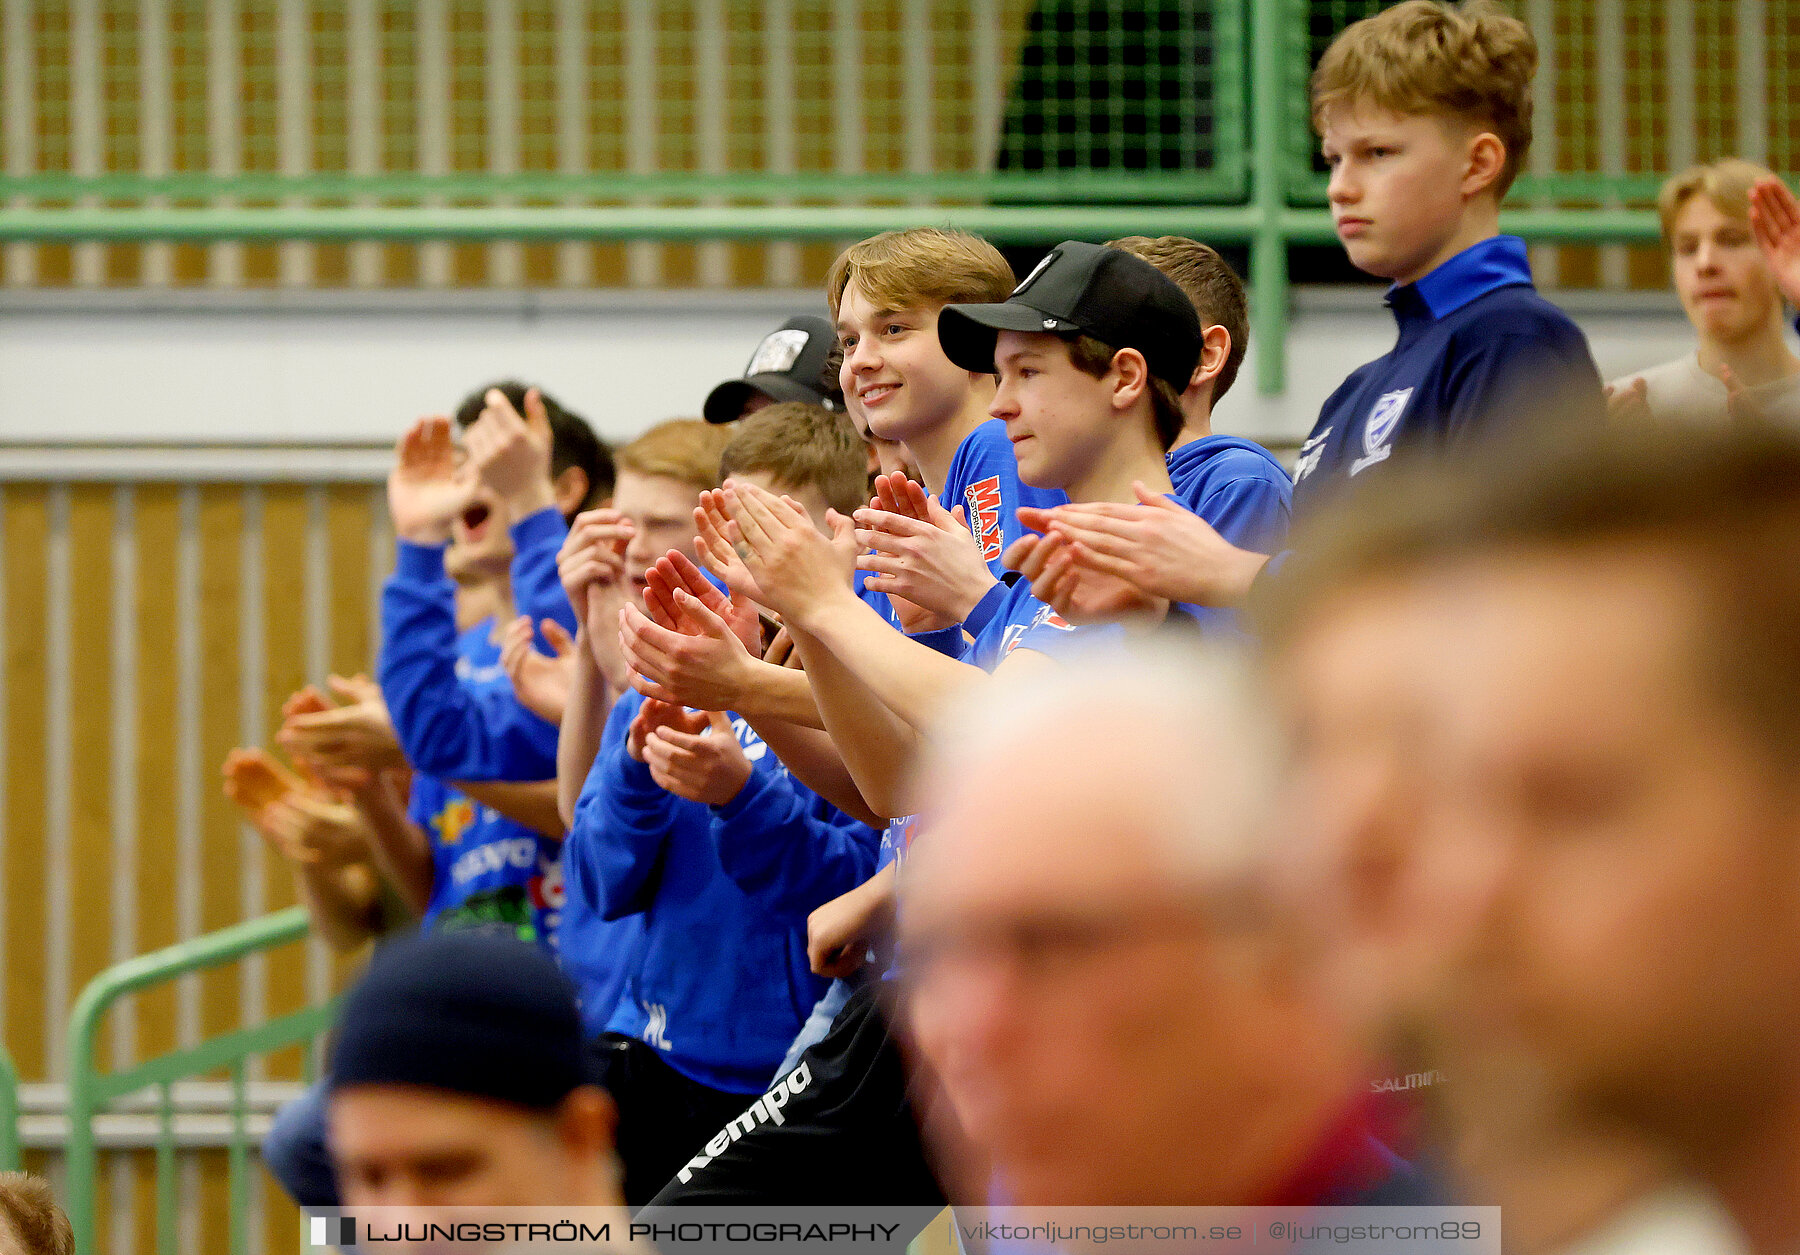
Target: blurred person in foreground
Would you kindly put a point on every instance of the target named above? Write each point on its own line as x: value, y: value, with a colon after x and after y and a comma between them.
x: 1547, y: 709
x: 460, y: 1078
x: 30, y: 1221
x: 1092, y: 977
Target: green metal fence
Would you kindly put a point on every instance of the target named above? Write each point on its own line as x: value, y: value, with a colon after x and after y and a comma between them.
x: 92, y: 1090
x: 9, y: 1114
x: 507, y: 122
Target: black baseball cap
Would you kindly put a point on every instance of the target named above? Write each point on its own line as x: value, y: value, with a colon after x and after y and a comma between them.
x: 788, y: 365
x: 1115, y: 297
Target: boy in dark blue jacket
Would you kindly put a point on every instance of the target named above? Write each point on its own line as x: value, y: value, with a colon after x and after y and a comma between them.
x: 1425, y: 115
x: 1418, y: 169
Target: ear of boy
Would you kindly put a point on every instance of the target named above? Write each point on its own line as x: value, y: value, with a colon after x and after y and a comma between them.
x: 1197, y: 397
x: 570, y: 490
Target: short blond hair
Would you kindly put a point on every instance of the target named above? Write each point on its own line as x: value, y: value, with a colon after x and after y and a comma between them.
x: 30, y: 1217
x: 686, y: 449
x: 1210, y: 283
x: 799, y: 445
x: 1725, y: 183
x: 924, y: 266
x: 1472, y: 62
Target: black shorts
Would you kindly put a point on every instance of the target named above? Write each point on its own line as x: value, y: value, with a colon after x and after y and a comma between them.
x: 663, y: 1115
x: 838, y: 1129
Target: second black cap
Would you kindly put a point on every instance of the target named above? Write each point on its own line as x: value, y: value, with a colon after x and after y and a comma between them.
x: 1114, y: 296
x: 789, y: 365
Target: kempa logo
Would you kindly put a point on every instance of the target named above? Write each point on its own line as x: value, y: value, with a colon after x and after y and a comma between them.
x: 762, y: 1111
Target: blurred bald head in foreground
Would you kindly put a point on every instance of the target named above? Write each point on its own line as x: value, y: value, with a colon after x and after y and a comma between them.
x: 1546, y: 706
x: 1093, y: 980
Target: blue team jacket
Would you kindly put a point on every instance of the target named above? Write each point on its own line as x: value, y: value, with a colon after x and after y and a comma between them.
x: 1478, y: 349
x: 719, y: 984
x: 487, y: 871
x: 984, y: 478
x: 1238, y: 487
x: 455, y: 721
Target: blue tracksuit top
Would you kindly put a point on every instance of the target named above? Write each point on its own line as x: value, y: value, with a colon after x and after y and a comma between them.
x: 720, y: 983
x: 1477, y: 348
x: 984, y: 479
x: 487, y: 871
x: 456, y: 722
x: 1238, y: 487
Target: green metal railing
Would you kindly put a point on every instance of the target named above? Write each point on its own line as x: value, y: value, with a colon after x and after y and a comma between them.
x: 10, y: 1160
x: 1026, y: 121
x: 91, y: 1090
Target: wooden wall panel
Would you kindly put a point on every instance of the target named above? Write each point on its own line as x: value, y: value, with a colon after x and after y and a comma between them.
x: 23, y: 862
x: 222, y: 839
x: 158, y: 530
x: 284, y: 544
x: 143, y: 569
x: 89, y: 855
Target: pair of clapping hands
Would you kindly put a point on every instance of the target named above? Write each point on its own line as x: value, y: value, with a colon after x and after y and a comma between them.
x: 691, y: 645
x: 340, y: 750
x: 507, y: 452
x: 687, y: 741
x: 1091, y: 562
x: 1109, y: 561
x: 766, y: 548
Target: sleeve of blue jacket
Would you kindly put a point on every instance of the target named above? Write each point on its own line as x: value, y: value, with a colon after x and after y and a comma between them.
x: 1252, y: 514
x: 621, y: 828
x: 787, y: 847
x: 537, y: 589
x: 449, y: 729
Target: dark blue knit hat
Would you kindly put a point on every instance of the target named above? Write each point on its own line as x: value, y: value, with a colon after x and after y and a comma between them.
x: 474, y: 1013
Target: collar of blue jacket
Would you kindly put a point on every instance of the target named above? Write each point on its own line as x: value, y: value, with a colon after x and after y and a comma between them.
x: 1496, y: 262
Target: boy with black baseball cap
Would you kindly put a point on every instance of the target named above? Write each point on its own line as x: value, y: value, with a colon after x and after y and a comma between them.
x: 1091, y: 353
x: 798, y: 361
x: 1085, y: 413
